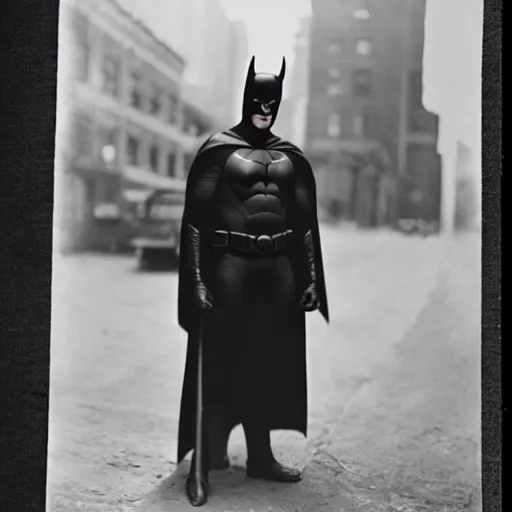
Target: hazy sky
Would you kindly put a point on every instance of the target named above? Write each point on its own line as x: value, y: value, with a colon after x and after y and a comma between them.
x: 452, y: 69
x: 271, y: 28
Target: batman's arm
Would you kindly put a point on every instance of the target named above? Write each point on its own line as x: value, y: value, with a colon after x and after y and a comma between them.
x: 202, y: 185
x: 305, y: 199
x: 305, y: 222
x: 200, y: 209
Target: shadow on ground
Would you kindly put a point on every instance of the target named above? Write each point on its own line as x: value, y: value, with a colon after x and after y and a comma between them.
x: 232, y: 491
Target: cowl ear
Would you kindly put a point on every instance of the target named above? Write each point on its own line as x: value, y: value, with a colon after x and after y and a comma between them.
x: 283, y: 70
x: 251, y: 72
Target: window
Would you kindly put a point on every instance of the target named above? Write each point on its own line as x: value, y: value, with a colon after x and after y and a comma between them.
x: 335, y: 89
x: 334, y: 72
x: 362, y: 82
x: 83, y: 58
x: 358, y: 125
x: 368, y: 113
x: 136, y: 91
x: 133, y: 151
x: 171, y: 164
x: 333, y: 125
x: 80, y: 27
x: 173, y: 109
x: 363, y: 46
x: 422, y: 121
x: 154, y: 153
x: 335, y: 48
x: 362, y: 12
x: 415, y: 89
x: 156, y: 101
x: 108, y: 144
x: 110, y: 76
x: 361, y: 123
x: 83, y: 136
x: 90, y: 190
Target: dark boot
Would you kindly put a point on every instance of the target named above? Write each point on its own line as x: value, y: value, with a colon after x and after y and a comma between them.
x: 220, y: 462
x: 261, y: 463
x: 272, y: 471
x: 197, y: 486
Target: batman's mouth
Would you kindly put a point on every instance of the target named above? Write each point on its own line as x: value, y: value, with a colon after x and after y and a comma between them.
x: 261, y: 122
x: 263, y: 118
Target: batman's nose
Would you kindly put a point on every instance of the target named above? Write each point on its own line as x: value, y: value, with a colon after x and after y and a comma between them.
x: 266, y: 109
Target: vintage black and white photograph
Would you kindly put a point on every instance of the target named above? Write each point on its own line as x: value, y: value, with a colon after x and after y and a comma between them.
x: 266, y: 289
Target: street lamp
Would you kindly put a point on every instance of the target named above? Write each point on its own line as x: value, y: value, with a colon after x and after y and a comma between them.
x: 108, y: 153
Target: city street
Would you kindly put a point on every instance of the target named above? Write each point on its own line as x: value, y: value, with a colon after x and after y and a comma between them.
x: 394, y: 386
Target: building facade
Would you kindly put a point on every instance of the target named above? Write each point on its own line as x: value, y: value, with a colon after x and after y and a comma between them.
x: 214, y: 47
x: 367, y: 132
x: 123, y: 107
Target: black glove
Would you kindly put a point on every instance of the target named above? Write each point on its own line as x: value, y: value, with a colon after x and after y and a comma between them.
x: 309, y: 300
x: 200, y: 294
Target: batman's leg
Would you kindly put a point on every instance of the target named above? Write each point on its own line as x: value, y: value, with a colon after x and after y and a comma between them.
x: 218, y: 437
x: 261, y: 462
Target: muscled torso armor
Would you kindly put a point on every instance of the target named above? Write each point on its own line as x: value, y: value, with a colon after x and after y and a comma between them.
x: 255, y: 192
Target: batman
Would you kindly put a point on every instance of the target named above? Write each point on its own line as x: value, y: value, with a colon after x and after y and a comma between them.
x: 250, y: 268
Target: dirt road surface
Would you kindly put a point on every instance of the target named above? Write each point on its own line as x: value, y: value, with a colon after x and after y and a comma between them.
x: 394, y: 386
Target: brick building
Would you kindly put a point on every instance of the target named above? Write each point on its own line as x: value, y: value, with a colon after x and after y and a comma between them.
x: 214, y: 47
x: 121, y: 106
x: 372, y: 142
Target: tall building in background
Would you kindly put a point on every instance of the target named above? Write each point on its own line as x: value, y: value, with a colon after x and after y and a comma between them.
x: 125, y: 114
x: 212, y: 46
x: 291, y: 122
x: 372, y: 142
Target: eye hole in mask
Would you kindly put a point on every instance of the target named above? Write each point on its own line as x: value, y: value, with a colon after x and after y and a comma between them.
x: 255, y: 100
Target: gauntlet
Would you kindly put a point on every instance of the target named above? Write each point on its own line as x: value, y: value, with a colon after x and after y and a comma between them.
x: 200, y: 294
x: 309, y: 300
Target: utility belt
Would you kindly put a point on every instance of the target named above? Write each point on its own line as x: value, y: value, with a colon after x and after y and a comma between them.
x: 253, y: 245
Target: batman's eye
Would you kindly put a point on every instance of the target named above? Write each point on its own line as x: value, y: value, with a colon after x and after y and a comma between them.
x: 271, y: 102
x: 256, y: 100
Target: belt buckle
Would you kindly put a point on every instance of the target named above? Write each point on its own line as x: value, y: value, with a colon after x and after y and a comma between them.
x: 264, y: 244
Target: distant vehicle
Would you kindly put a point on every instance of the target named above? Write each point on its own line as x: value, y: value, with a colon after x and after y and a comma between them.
x: 158, y: 219
x: 418, y: 227
x: 127, y: 208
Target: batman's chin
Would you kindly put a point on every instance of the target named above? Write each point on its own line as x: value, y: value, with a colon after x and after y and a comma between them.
x: 261, y: 122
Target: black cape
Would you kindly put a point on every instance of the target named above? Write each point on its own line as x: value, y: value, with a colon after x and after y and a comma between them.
x: 188, y: 313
